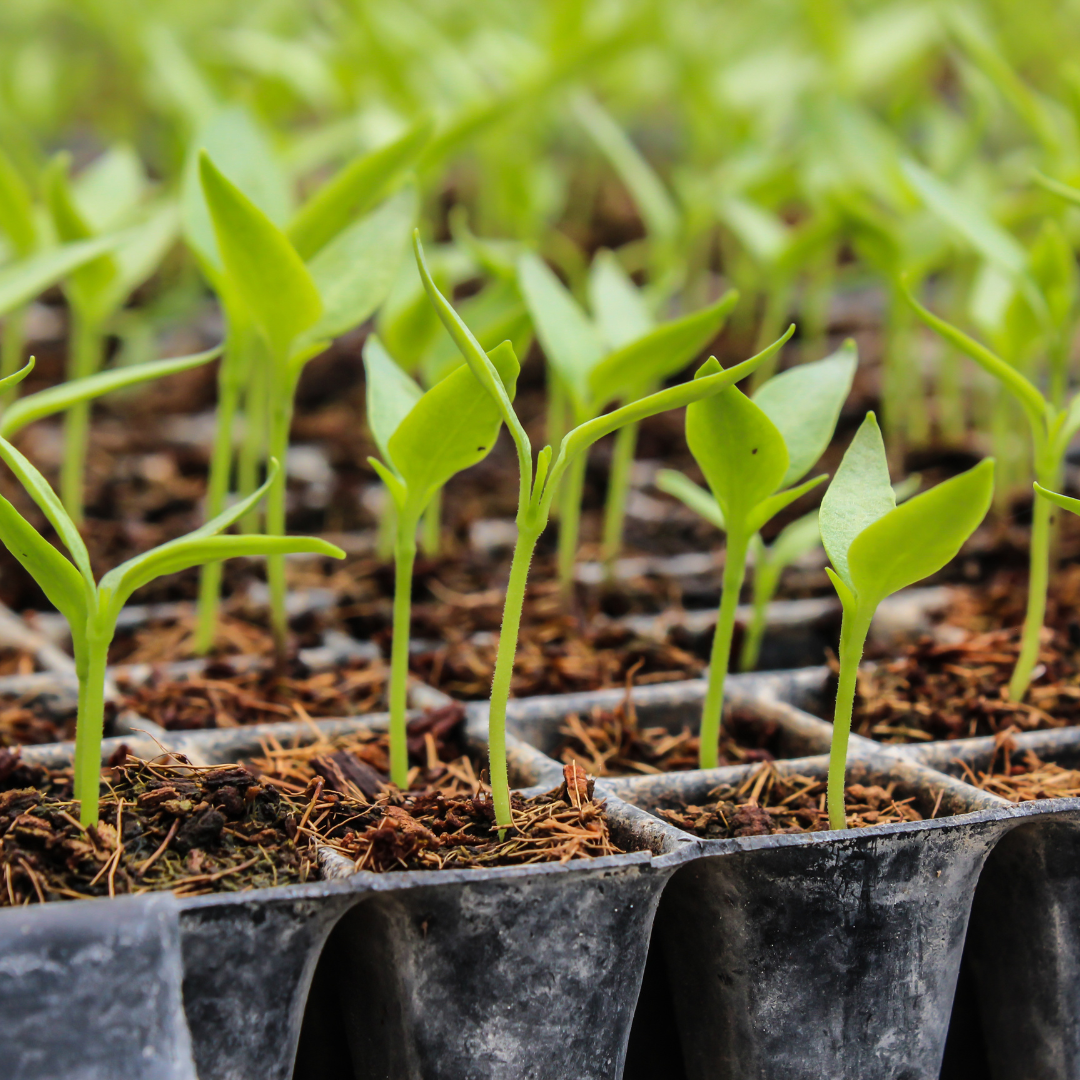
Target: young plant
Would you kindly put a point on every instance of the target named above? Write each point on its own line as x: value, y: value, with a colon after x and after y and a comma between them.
x: 424, y: 439
x: 750, y: 451
x: 91, y: 608
x: 537, y: 490
x: 877, y: 548
x: 298, y: 300
x: 617, y: 355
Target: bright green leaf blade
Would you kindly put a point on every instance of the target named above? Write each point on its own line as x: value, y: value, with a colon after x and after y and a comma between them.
x: 618, y: 307
x: 667, y: 349
x: 16, y: 209
x: 768, y: 508
x: 804, y: 402
x: 692, y: 495
x: 55, y: 575
x: 763, y: 233
x: 118, y: 584
x: 59, y: 398
x: 37, y: 487
x: 453, y: 426
x: 738, y: 448
x: 799, y: 538
x: 917, y: 538
x: 13, y: 380
x: 354, y: 272
x: 355, y: 190
x: 141, y: 254
x: 23, y: 281
x: 859, y: 495
x: 391, y: 393
x: 570, y: 341
x: 231, y: 514
x: 109, y: 189
x: 240, y: 149
x: 262, y: 265
x: 1072, y: 505
x: 1066, y: 191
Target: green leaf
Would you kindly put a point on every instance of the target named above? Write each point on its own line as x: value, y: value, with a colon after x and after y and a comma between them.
x: 22, y: 281
x: 692, y: 495
x: 859, y: 495
x: 639, y: 366
x: 738, y: 448
x: 453, y: 426
x: 804, y: 402
x: 109, y: 189
x: 37, y: 487
x: 618, y: 307
x: 240, y: 149
x: 59, y: 398
x: 118, y: 584
x: 760, y: 231
x: 1072, y: 505
x: 354, y: 272
x: 231, y: 514
x: 16, y: 209
x: 355, y: 190
x: 13, y: 380
x: 793, y: 541
x: 263, y: 266
x: 55, y: 575
x: 768, y: 508
x: 140, y: 254
x: 570, y: 341
x: 391, y: 393
x: 1066, y: 191
x: 919, y: 537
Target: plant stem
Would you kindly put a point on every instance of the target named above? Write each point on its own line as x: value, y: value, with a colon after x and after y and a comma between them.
x: 84, y: 359
x: 90, y: 725
x: 12, y: 347
x: 555, y: 424
x: 622, y: 463
x: 253, y: 445
x: 404, y: 557
x: 431, y: 525
x: 777, y: 301
x: 734, y: 571
x: 387, y: 531
x: 573, y: 483
x: 504, y: 669
x: 280, y: 420
x: 853, y: 631
x: 766, y: 579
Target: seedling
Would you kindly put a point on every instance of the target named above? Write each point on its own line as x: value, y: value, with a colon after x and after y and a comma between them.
x: 619, y: 355
x: 877, y: 548
x: 298, y: 306
x: 424, y: 439
x: 750, y: 450
x: 537, y: 490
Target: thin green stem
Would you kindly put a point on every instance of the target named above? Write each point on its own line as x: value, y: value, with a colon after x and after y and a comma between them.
x: 573, y: 484
x: 84, y: 359
x: 766, y: 580
x: 90, y: 725
x: 777, y: 301
x: 618, y: 492
x: 853, y: 631
x: 404, y: 557
x: 280, y: 420
x: 12, y: 347
x: 504, y: 667
x: 431, y: 526
x: 734, y: 571
x: 387, y: 528
x: 253, y: 445
x: 557, y: 408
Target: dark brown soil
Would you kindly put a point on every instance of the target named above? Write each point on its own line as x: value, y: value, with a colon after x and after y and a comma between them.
x: 766, y: 802
x: 32, y: 718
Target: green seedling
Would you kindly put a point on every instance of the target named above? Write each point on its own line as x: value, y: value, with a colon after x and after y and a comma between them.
x: 107, y: 196
x: 424, y: 439
x: 298, y: 300
x: 537, y: 489
x: 751, y: 451
x: 877, y: 548
x: 92, y: 608
x: 619, y: 354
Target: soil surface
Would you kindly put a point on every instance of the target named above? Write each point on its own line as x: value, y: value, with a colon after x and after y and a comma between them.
x: 1024, y: 776
x: 766, y: 802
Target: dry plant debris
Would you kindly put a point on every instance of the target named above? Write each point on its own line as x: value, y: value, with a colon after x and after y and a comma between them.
x: 767, y: 802
x: 1022, y: 777
x: 31, y: 718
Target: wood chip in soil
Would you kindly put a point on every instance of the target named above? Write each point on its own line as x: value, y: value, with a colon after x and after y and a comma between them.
x: 1022, y: 776
x: 766, y: 803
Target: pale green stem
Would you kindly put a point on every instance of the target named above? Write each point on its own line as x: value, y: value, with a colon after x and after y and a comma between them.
x: 253, y: 445
x: 557, y: 408
x: 853, y: 631
x: 777, y: 301
x: 766, y: 581
x: 622, y: 464
x: 573, y: 484
x: 504, y: 671
x: 90, y: 725
x: 280, y: 420
x: 12, y: 347
x: 431, y: 526
x: 84, y: 359
x: 734, y: 571
x: 387, y: 531
x: 404, y: 557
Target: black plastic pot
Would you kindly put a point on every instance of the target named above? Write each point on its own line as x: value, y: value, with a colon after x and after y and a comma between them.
x: 91, y: 991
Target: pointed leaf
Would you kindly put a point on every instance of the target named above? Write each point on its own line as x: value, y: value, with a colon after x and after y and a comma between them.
x: 109, y: 188
x: 859, y: 495
x: 16, y: 209
x: 738, y: 448
x: 59, y: 398
x: 354, y: 272
x: 1072, y: 505
x: 263, y: 266
x: 768, y: 508
x: 641, y: 365
x: 13, y: 380
x: 23, y: 281
x: 355, y: 190
x: 919, y: 537
x: 391, y: 393
x: 804, y: 402
x: 618, y: 307
x: 692, y: 495
x: 231, y: 514
x: 570, y: 341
